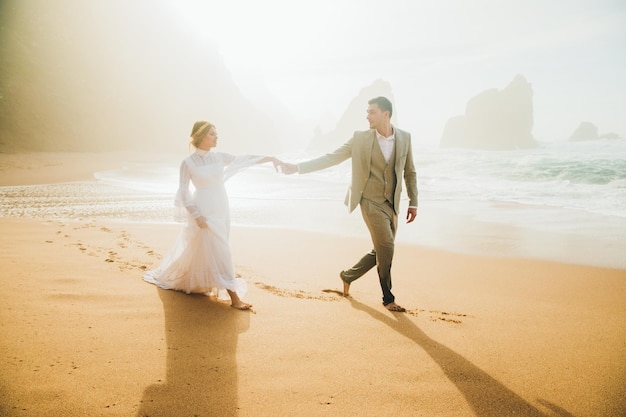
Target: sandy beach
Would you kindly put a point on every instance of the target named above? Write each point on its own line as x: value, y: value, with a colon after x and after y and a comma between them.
x: 83, y: 334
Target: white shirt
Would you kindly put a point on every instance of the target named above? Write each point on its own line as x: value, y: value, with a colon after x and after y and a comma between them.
x: 386, y: 144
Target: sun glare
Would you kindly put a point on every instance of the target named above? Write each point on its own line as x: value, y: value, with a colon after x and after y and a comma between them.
x: 262, y: 35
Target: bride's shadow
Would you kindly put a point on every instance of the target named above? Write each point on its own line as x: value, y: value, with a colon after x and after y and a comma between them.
x: 201, y: 341
x: 485, y: 395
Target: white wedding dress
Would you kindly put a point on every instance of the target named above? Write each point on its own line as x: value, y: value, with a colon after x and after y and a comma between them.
x: 200, y: 261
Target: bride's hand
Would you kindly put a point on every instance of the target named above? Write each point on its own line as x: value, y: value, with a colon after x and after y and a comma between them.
x: 278, y: 164
x: 201, y: 222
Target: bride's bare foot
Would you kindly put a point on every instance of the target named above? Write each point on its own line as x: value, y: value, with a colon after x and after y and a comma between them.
x: 240, y: 305
x: 236, y: 301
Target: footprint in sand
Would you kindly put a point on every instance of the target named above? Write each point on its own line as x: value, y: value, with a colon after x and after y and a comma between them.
x: 111, y: 256
x: 294, y: 293
x: 445, y: 316
x: 337, y: 295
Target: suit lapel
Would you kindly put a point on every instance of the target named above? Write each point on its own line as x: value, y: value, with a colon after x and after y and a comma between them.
x: 368, y: 147
x: 399, y: 146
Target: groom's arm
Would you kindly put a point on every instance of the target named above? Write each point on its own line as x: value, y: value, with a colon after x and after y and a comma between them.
x: 410, y: 177
x: 330, y: 159
x: 410, y: 180
x: 334, y: 158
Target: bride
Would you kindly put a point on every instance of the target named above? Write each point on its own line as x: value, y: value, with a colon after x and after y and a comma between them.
x: 200, y: 261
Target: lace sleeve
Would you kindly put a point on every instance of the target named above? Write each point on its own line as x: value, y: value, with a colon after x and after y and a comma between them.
x: 183, y: 195
x: 234, y: 164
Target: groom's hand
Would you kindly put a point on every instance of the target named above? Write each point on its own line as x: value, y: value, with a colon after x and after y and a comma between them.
x: 289, y: 169
x: 411, y: 214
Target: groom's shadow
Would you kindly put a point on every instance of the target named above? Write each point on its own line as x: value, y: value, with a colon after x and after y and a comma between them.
x: 201, y: 368
x: 485, y: 395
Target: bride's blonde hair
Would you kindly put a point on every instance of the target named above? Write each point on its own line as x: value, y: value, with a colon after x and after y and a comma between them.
x: 199, y: 130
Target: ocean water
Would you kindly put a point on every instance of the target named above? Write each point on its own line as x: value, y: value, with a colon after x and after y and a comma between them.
x: 590, y: 176
x: 561, y: 201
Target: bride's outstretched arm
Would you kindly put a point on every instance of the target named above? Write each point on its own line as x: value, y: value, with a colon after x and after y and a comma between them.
x: 275, y: 161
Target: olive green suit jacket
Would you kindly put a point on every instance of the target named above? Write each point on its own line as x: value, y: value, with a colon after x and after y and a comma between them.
x: 359, y: 148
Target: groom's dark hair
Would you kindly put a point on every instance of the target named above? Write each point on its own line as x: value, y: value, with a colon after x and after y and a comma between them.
x: 383, y: 103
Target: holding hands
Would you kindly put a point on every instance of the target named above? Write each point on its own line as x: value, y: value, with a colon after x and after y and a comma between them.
x: 275, y: 161
x: 288, y: 169
x: 280, y: 166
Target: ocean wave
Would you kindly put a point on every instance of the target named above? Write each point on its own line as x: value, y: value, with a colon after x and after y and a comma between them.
x: 588, y: 176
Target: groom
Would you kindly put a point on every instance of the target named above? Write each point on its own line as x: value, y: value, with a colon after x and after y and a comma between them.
x: 381, y: 157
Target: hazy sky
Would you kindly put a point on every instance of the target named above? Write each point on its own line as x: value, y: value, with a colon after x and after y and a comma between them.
x: 316, y: 56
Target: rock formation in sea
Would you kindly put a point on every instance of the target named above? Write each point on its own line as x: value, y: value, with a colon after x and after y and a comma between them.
x: 353, y: 118
x: 585, y: 131
x: 494, y: 119
x: 589, y: 131
x: 90, y: 76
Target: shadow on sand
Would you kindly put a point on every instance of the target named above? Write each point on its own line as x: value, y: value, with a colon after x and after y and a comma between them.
x: 486, y: 396
x: 201, y: 376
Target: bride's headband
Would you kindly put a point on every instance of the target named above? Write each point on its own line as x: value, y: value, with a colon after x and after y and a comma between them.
x: 200, y: 129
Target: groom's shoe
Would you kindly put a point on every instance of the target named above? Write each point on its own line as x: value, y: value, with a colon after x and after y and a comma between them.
x: 346, y: 286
